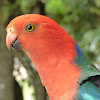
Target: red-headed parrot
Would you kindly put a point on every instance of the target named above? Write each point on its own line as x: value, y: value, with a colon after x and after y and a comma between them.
x: 65, y: 71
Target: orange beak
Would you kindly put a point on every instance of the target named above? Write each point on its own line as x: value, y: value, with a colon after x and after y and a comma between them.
x: 12, y: 42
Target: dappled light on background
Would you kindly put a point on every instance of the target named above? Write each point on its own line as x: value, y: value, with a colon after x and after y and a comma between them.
x: 20, y: 74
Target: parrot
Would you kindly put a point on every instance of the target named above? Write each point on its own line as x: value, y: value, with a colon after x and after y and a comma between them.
x: 64, y: 69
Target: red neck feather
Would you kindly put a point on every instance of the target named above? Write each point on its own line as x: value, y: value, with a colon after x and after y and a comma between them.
x: 53, y: 53
x: 56, y: 68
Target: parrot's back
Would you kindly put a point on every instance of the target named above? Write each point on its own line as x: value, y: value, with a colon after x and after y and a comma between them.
x: 90, y: 78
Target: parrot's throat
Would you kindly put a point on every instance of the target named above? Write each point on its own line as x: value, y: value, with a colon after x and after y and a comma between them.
x: 58, y: 74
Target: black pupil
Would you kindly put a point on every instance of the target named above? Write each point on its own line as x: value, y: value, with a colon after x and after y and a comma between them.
x: 29, y: 27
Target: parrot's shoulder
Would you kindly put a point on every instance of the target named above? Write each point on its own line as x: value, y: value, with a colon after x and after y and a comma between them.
x: 86, y: 66
x: 89, y: 80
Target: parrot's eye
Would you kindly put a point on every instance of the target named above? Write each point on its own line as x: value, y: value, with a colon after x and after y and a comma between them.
x: 30, y: 27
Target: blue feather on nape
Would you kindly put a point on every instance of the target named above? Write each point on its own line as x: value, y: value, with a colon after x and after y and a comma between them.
x: 79, y: 55
x: 78, y: 50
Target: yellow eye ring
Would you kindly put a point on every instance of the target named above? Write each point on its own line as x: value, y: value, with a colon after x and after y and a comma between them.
x: 30, y: 27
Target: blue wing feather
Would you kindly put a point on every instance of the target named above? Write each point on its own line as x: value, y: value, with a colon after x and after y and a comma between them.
x: 88, y: 91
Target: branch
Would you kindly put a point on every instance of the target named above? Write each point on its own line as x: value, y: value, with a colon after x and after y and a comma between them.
x: 33, y: 76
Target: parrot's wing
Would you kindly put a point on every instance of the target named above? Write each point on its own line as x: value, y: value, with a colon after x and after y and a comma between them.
x: 89, y: 79
x: 88, y: 91
x: 86, y: 66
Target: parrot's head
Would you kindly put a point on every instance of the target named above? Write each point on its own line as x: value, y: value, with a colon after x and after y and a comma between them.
x: 24, y: 30
x: 36, y: 33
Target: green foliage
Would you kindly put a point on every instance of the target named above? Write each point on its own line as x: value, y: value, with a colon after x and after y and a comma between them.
x: 10, y: 8
x: 26, y: 5
x: 91, y: 43
x: 97, y: 2
x: 27, y: 89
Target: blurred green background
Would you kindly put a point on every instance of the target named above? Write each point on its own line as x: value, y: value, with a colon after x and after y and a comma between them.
x: 80, y: 18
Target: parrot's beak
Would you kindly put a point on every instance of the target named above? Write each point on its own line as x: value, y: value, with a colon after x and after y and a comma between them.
x: 12, y: 42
